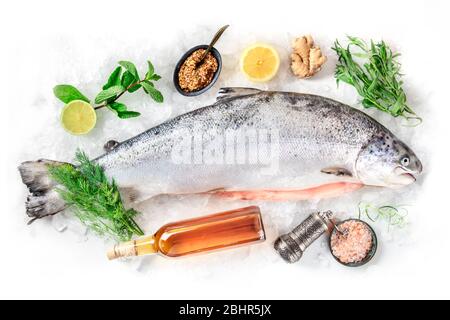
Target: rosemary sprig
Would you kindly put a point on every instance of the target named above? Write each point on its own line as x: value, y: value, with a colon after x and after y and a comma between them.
x: 394, y: 216
x: 95, y: 199
x: 377, y: 80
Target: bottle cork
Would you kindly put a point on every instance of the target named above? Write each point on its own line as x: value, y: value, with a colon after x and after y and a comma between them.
x: 122, y: 250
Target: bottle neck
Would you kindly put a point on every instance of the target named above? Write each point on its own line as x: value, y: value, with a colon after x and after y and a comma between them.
x: 139, y: 247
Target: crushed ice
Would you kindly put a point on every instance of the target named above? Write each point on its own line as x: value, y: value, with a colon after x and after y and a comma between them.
x: 278, y: 217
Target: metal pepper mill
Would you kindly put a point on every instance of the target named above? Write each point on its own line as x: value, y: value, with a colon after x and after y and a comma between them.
x: 291, y: 246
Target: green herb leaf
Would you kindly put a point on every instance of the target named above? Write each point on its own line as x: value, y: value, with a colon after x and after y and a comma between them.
x: 134, y: 88
x: 117, y: 107
x: 67, y: 93
x: 150, y: 72
x: 377, y: 79
x: 128, y: 114
x: 155, y: 77
x: 95, y: 199
x: 130, y: 67
x: 114, y: 78
x: 127, y: 79
x: 108, y: 93
x: 121, y: 110
x: 393, y: 216
x: 146, y: 84
x: 152, y: 91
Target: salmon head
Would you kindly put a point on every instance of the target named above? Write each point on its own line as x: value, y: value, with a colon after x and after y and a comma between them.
x: 386, y: 161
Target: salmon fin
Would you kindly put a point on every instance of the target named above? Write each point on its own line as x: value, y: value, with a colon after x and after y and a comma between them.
x: 337, y: 171
x: 216, y: 190
x: 43, y: 199
x: 110, y: 145
x: 228, y: 93
x: 325, y: 191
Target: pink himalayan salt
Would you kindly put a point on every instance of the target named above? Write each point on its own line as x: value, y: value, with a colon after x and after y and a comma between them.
x: 353, y: 244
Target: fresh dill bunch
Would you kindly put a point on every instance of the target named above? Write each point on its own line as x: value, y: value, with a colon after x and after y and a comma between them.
x: 377, y: 80
x: 95, y: 199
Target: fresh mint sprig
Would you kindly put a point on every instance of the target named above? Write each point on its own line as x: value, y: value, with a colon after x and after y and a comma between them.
x: 125, y: 78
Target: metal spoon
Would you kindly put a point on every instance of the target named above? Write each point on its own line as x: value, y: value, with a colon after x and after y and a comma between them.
x: 213, y: 42
x: 339, y: 230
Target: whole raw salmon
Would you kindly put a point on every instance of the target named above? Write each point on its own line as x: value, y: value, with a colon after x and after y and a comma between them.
x: 250, y: 144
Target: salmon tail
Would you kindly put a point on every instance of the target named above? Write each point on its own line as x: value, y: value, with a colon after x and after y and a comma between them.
x: 324, y: 191
x: 43, y: 199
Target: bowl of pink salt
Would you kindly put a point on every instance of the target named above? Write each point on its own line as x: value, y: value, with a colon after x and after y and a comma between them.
x: 353, y: 243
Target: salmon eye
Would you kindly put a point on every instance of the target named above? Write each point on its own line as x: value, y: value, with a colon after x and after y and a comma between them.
x: 405, y: 161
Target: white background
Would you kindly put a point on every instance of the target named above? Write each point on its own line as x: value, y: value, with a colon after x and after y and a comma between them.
x: 37, y: 262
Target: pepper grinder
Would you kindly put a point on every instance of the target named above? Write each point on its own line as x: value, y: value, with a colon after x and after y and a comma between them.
x: 291, y: 246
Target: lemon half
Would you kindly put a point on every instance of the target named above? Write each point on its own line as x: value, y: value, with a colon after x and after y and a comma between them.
x: 78, y: 117
x: 260, y: 62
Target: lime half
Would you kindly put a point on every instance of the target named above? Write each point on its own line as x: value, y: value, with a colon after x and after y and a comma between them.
x: 78, y: 117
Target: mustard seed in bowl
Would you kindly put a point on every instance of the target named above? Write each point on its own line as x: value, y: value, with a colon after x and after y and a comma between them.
x: 193, y: 77
x: 354, y: 244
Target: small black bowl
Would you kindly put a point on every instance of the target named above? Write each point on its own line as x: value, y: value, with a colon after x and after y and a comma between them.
x: 176, y: 82
x: 370, y: 254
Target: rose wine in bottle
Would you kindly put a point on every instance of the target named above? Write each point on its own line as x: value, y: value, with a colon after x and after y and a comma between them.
x: 217, y: 231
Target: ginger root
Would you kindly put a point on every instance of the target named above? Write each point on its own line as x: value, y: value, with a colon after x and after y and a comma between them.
x: 307, y: 59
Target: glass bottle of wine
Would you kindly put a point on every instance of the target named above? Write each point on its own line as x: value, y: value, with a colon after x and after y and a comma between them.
x: 209, y: 233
